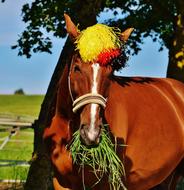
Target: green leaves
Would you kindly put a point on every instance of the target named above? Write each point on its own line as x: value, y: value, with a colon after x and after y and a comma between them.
x: 149, y: 18
x: 42, y: 17
x: 32, y: 40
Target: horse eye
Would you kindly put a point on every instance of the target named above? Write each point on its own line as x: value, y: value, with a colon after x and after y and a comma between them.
x: 77, y: 69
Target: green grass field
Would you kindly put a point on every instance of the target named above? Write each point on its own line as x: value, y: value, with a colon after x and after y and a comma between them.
x: 20, y: 105
x: 20, y: 146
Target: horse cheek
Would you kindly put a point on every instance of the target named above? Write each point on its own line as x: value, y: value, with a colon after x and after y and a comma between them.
x: 62, y: 160
x: 66, y: 161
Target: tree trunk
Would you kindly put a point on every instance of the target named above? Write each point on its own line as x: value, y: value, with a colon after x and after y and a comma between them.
x: 176, y: 50
x: 39, y: 176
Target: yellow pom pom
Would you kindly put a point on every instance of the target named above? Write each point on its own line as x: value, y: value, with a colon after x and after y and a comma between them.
x: 96, y: 39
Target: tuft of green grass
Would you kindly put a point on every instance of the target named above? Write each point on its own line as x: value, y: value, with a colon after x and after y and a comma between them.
x: 102, y: 159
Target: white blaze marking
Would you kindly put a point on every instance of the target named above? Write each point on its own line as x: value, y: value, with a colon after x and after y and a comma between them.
x: 92, y: 132
x: 95, y: 67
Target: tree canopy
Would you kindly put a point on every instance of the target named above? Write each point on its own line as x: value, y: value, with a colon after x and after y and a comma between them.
x: 149, y: 18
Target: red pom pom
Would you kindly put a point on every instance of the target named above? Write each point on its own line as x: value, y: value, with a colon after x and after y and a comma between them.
x: 105, y: 57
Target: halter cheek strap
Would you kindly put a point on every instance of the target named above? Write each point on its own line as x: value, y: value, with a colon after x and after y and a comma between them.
x: 89, y: 98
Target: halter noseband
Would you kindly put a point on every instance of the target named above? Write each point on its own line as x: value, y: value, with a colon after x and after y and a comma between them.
x: 89, y: 98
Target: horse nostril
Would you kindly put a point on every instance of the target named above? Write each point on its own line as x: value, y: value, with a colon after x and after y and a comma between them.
x: 82, y: 126
x: 83, y: 129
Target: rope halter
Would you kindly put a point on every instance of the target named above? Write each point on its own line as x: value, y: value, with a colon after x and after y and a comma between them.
x: 89, y: 98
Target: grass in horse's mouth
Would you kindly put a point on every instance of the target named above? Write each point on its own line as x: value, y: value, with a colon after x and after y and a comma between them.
x: 102, y: 159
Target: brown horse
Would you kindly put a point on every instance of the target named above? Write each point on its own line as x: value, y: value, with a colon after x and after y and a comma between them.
x: 147, y: 114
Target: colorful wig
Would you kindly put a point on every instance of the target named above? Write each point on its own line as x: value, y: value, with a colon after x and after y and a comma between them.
x: 102, y: 44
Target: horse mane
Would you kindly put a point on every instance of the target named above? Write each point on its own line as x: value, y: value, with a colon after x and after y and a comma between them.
x: 127, y: 81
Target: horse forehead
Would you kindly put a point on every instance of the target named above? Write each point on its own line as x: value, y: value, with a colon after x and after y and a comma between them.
x: 92, y: 69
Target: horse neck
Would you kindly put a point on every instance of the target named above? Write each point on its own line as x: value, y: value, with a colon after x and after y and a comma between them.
x: 115, y: 111
x: 64, y: 102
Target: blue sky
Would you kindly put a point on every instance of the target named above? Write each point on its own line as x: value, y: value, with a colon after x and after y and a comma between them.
x: 33, y: 75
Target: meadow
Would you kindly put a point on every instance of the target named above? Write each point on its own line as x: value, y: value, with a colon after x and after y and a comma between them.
x: 20, y: 105
x: 16, y: 154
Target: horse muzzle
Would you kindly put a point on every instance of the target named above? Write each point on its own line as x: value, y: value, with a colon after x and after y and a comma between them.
x: 90, y: 122
x: 90, y: 137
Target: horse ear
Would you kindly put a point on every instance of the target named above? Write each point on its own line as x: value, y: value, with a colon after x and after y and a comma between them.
x: 70, y: 27
x: 125, y: 35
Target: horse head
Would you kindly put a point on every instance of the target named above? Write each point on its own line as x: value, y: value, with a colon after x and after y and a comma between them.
x: 99, y: 51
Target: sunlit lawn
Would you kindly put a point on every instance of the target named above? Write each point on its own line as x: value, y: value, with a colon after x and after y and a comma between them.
x: 20, y: 105
x: 20, y: 146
